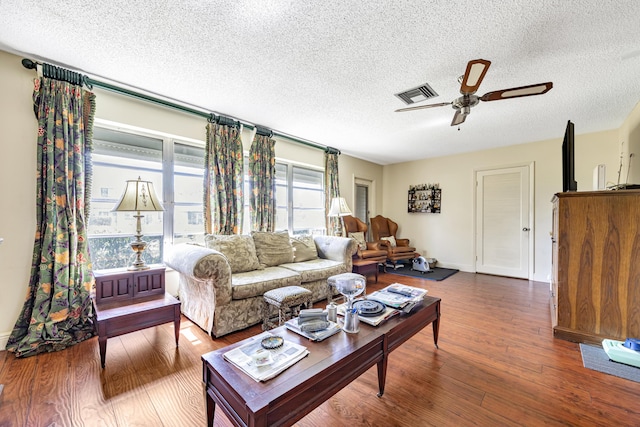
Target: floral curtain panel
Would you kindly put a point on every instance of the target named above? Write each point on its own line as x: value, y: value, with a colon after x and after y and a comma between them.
x: 57, y: 312
x: 331, y: 187
x: 262, y: 183
x: 223, y: 180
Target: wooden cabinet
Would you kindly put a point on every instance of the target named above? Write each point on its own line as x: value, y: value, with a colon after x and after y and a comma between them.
x: 595, y: 285
x: 127, y: 301
x: 121, y: 285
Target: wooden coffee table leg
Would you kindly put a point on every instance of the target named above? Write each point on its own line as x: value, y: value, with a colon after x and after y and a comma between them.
x: 436, y: 325
x: 382, y: 367
x: 382, y: 375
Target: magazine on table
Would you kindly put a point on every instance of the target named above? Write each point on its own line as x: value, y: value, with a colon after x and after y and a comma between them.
x: 333, y: 328
x: 399, y: 296
x: 263, y: 364
x: 371, y: 320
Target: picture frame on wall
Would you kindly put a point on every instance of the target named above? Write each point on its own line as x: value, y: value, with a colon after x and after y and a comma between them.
x: 424, y: 198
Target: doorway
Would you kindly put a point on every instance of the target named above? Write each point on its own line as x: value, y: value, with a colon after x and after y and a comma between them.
x: 362, y: 201
x: 503, y: 221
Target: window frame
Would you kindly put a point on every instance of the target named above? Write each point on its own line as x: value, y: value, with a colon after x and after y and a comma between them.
x: 168, y: 172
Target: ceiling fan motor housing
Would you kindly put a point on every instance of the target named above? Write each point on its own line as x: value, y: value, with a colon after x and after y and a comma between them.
x: 465, y: 102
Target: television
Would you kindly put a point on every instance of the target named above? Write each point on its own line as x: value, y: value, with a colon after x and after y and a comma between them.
x: 568, y: 163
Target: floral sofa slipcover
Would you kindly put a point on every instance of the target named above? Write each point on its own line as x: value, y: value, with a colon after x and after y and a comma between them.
x: 221, y: 283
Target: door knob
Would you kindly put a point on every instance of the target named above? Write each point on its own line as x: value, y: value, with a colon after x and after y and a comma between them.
x: 526, y: 229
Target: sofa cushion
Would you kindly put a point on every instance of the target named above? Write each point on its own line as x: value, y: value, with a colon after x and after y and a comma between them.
x: 304, y: 248
x: 256, y: 283
x: 402, y: 249
x: 316, y: 269
x: 391, y: 240
x: 239, y: 250
x: 358, y: 236
x: 273, y: 248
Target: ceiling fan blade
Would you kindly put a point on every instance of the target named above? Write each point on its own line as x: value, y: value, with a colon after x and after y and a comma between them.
x: 476, y: 69
x: 458, y: 118
x: 517, y: 92
x: 420, y: 107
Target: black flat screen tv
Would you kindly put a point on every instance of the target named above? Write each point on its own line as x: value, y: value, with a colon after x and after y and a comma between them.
x: 568, y: 162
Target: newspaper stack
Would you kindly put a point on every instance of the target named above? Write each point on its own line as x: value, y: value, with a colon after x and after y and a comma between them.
x: 371, y: 320
x: 399, y: 296
x: 288, y: 354
x: 318, y: 335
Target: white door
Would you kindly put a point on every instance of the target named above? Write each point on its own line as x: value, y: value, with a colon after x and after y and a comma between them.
x: 503, y: 225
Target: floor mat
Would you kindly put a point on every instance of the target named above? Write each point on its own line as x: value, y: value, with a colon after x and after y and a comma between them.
x: 437, y: 273
x: 596, y: 358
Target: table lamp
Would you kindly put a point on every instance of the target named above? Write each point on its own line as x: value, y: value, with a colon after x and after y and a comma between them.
x: 339, y: 209
x: 138, y: 196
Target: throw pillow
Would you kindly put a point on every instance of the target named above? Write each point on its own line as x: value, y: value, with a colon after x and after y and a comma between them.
x: 358, y: 236
x: 391, y: 240
x: 304, y: 248
x: 273, y: 248
x: 239, y: 250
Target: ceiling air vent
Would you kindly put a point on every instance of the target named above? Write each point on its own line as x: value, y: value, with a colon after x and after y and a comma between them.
x: 417, y: 94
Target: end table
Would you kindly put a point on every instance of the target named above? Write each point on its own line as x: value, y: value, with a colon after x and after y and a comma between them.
x: 128, y: 301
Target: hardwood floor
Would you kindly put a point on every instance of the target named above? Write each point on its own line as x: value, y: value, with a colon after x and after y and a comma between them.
x: 498, y: 365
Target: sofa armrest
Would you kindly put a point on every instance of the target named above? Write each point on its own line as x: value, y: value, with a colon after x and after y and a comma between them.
x: 375, y: 246
x: 201, y: 264
x: 402, y: 242
x: 339, y: 249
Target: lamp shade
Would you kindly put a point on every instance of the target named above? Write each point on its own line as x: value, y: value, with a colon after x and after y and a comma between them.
x: 339, y: 207
x: 138, y: 196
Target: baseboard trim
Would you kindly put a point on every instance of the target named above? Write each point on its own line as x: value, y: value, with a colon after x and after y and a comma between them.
x: 4, y: 338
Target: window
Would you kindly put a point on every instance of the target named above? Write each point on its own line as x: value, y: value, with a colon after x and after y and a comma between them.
x: 176, y: 169
x: 188, y: 177
x: 300, y: 199
x: 118, y: 157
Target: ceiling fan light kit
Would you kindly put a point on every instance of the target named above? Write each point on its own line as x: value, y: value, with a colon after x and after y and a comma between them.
x: 470, y: 82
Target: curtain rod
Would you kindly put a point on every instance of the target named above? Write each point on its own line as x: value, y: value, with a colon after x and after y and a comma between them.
x: 77, y: 78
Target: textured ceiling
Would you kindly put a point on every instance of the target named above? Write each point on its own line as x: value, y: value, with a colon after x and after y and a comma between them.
x: 327, y: 71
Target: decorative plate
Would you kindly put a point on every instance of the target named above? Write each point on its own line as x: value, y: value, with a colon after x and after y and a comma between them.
x: 272, y: 342
x: 369, y: 307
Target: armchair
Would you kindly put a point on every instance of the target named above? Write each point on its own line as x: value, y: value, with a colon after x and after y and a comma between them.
x: 373, y: 251
x: 381, y: 228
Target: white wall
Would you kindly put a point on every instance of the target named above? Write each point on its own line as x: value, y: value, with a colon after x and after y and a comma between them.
x: 18, y: 132
x: 449, y: 236
x: 630, y: 141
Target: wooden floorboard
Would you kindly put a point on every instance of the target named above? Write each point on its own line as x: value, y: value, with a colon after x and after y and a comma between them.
x: 497, y: 365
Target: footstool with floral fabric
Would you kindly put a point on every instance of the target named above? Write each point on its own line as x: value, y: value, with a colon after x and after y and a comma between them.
x: 288, y: 300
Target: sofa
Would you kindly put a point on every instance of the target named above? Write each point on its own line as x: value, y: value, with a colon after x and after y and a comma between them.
x: 221, y: 283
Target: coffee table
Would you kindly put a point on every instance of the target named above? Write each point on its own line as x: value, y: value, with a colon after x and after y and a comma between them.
x: 331, y: 365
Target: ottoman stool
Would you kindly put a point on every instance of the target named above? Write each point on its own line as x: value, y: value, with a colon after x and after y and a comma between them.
x: 331, y: 284
x: 287, y: 300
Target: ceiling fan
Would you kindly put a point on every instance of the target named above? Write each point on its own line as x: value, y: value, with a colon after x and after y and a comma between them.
x: 469, y: 83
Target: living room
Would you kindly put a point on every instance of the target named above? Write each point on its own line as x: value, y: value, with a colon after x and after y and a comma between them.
x: 448, y: 236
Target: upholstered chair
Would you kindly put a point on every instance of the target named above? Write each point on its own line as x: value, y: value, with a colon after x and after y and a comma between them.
x: 383, y: 231
x: 357, y: 230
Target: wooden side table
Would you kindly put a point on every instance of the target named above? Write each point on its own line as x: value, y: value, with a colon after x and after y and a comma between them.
x: 128, y: 301
x: 364, y: 267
